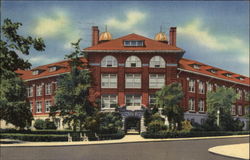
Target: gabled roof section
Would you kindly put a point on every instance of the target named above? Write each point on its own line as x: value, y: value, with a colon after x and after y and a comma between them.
x: 64, y: 68
x: 186, y: 64
x: 118, y: 44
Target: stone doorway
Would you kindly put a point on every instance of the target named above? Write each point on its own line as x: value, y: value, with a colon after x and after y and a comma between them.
x: 132, y: 125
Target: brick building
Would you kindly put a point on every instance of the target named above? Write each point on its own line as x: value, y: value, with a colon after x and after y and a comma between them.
x: 127, y: 71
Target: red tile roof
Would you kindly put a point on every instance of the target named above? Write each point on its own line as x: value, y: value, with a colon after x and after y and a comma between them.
x: 63, y: 67
x: 186, y: 64
x: 117, y: 44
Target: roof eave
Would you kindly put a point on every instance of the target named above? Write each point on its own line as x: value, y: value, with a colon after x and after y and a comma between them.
x: 135, y: 51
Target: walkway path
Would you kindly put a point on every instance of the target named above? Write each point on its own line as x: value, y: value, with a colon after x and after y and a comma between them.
x: 236, y: 150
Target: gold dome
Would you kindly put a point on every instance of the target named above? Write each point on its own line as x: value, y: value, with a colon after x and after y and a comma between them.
x: 105, y: 36
x: 161, y: 36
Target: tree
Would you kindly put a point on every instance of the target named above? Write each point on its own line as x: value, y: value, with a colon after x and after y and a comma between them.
x: 14, y: 107
x: 169, y: 99
x: 219, y: 104
x: 71, y: 99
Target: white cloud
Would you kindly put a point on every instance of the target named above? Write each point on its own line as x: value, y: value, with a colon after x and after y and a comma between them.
x: 132, y: 19
x: 42, y: 59
x: 201, y: 35
x: 57, y: 24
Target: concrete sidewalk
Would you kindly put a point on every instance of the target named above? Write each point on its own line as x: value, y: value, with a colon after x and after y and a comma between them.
x: 240, y: 151
x: 126, y: 139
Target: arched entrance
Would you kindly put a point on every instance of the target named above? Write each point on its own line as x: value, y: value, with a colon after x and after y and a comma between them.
x: 132, y: 125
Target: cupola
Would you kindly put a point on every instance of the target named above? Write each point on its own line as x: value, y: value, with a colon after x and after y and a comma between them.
x: 105, y: 36
x: 161, y: 36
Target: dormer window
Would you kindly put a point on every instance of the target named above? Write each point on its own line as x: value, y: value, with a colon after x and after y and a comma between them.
x: 212, y: 70
x: 228, y: 74
x: 52, y: 68
x: 35, y: 72
x: 195, y: 66
x: 133, y: 43
x: 240, y: 78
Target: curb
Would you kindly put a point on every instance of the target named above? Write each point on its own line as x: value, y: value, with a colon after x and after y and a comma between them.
x: 221, y: 152
x: 65, y: 144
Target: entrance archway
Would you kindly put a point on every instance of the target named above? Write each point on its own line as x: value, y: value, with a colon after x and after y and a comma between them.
x: 132, y: 125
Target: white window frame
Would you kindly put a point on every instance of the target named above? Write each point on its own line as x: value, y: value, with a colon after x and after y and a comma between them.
x: 233, y: 109
x: 30, y: 91
x: 157, y: 62
x: 133, y: 61
x: 155, y: 81
x: 209, y: 87
x: 201, y: 87
x: 48, y: 88
x: 52, y: 69
x: 109, y: 96
x: 191, y: 104
x: 35, y: 72
x: 240, y: 94
x: 39, y: 89
x: 107, y: 81
x: 38, y: 106
x: 133, y: 100
x: 134, y: 82
x: 201, y: 105
x: 133, y: 43
x: 191, y: 85
x: 152, y: 97
x: 109, y: 61
x: 239, y: 107
x: 48, y: 104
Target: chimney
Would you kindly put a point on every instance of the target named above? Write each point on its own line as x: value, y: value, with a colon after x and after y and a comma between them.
x: 172, y: 36
x: 95, y: 35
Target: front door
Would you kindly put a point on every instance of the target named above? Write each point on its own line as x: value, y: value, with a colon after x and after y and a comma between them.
x: 132, y: 125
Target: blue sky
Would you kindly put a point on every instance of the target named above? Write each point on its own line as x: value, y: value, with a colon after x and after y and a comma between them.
x: 215, y: 32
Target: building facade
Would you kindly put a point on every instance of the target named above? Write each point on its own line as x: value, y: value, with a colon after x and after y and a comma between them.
x: 127, y: 72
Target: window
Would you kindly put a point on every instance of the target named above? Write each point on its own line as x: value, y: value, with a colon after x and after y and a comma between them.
x: 39, y: 90
x: 157, y: 62
x: 191, y: 104
x: 133, y: 43
x: 196, y: 66
x: 133, y: 61
x: 209, y: 87
x: 246, y: 95
x: 109, y: 61
x: 227, y: 74
x: 133, y: 100
x: 201, y: 105
x: 233, y: 110
x: 108, y: 101
x: 109, y: 81
x: 240, y: 96
x: 239, y: 110
x: 30, y: 91
x: 31, y: 107
x: 47, y: 105
x: 201, y: 87
x: 35, y: 72
x: 152, y: 100
x: 38, y: 106
x: 133, y: 81
x: 203, y: 120
x: 246, y: 110
x: 48, y: 89
x: 156, y: 80
x: 191, y: 85
x: 52, y: 68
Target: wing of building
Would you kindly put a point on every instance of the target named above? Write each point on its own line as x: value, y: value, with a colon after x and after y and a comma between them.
x: 127, y: 71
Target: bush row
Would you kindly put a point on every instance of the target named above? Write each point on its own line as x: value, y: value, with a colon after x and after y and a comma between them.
x: 181, y: 134
x: 59, y: 137
x: 35, y: 137
x: 61, y: 132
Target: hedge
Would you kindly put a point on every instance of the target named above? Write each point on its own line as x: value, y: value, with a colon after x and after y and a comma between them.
x: 181, y: 134
x: 35, y: 137
x: 61, y: 132
x: 45, y: 136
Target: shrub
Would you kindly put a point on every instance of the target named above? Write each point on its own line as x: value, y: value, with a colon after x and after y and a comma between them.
x: 110, y: 122
x: 186, y: 126
x: 156, y: 126
x: 40, y: 124
x: 34, y: 137
x: 50, y: 125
